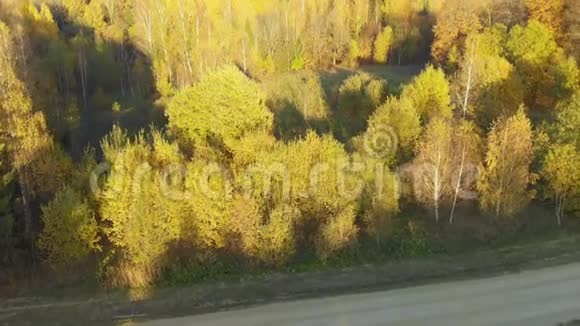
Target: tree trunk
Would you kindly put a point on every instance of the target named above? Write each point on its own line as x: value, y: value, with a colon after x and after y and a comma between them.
x: 244, y: 54
x: 436, y: 194
x: 83, y: 72
x: 458, y: 185
x: 469, y: 81
x: 25, y: 204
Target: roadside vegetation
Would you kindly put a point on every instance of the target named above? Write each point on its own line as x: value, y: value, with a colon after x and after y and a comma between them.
x: 172, y: 141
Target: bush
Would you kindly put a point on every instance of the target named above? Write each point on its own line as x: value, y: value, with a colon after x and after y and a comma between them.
x: 337, y: 234
x: 276, y: 237
x: 142, y: 219
x: 414, y: 241
x: 302, y: 174
x: 379, y: 203
x: 70, y: 230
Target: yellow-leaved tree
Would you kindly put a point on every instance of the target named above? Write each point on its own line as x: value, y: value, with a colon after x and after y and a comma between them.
x: 70, y: 230
x: 505, y: 177
x: 41, y: 167
x: 466, y: 149
x: 142, y: 219
x: 383, y: 44
x: 562, y: 172
x: 550, y: 13
x: 433, y: 164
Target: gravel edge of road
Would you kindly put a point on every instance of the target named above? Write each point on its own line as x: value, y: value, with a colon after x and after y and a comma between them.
x: 203, y: 298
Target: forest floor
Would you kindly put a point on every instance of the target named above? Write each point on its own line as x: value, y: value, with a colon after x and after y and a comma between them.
x: 122, y: 307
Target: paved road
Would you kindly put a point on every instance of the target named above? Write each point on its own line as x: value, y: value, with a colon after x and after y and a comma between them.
x: 542, y: 297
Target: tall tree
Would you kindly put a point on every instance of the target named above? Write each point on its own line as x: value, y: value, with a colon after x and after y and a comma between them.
x: 505, y: 177
x: 383, y: 44
x: 466, y: 145
x: 433, y: 159
x: 538, y: 59
x: 457, y: 20
x: 39, y: 166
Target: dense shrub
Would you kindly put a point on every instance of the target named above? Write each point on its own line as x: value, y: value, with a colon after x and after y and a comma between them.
x: 339, y: 232
x: 265, y: 239
x: 379, y: 201
x: 70, y: 230
x: 142, y: 219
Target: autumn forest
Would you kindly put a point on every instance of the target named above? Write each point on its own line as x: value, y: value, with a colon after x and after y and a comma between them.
x: 148, y: 142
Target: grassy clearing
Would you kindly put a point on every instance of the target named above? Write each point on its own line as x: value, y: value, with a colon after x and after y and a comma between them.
x: 394, y: 75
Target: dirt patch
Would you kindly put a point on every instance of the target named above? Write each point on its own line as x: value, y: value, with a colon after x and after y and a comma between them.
x: 118, y: 308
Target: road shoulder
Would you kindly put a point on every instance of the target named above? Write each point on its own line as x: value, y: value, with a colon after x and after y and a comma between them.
x: 118, y: 307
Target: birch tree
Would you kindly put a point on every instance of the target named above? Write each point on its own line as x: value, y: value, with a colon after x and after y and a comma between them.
x: 505, y: 178
x: 467, y: 77
x: 433, y: 158
x: 466, y: 149
x: 562, y: 172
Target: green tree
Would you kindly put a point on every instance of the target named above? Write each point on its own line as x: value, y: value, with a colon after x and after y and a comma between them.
x: 567, y: 123
x: 337, y: 234
x: 505, y: 177
x: 269, y: 241
x: 487, y: 85
x: 312, y: 175
x: 40, y: 166
x: 499, y: 90
x: 533, y: 49
x: 379, y: 200
x: 222, y: 107
x: 429, y: 93
x: 393, y: 130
